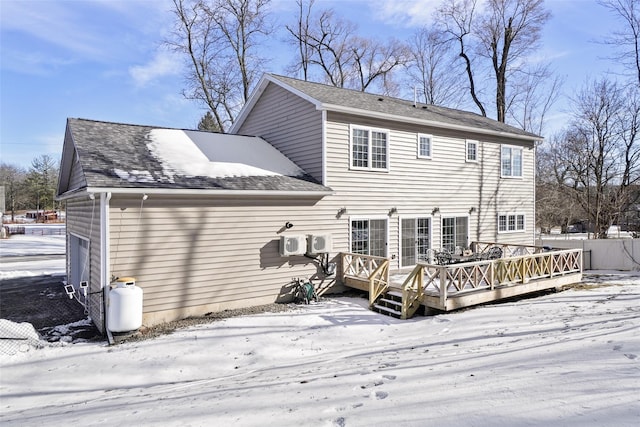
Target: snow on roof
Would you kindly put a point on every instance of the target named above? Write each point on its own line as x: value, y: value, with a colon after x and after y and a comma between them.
x: 214, y: 155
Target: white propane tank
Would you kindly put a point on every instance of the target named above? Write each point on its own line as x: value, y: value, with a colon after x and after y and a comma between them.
x: 125, y: 306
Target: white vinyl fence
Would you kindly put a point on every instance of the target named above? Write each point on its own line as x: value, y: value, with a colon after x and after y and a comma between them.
x: 605, y: 254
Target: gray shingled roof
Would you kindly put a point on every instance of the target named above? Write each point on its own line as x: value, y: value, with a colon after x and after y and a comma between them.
x: 114, y: 155
x: 400, y: 108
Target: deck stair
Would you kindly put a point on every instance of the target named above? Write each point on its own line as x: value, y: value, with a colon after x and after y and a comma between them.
x: 389, y: 303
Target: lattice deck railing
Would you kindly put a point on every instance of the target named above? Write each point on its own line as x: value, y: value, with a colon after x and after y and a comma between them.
x: 448, y: 280
x: 371, y: 269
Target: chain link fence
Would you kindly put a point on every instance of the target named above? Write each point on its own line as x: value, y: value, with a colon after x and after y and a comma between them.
x: 36, y: 310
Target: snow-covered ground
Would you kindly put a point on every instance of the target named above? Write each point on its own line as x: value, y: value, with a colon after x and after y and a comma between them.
x: 563, y: 359
x: 31, y: 255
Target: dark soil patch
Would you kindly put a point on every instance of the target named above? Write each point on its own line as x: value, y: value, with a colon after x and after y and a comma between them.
x: 43, y: 302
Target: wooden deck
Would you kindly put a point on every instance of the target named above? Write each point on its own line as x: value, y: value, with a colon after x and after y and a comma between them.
x: 522, y: 269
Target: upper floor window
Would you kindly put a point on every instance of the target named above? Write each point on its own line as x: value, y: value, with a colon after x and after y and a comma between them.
x: 369, y: 148
x: 509, y: 223
x: 511, y: 161
x: 424, y: 146
x: 472, y: 150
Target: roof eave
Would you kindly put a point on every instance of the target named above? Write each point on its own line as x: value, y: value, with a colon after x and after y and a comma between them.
x: 199, y: 192
x: 413, y: 120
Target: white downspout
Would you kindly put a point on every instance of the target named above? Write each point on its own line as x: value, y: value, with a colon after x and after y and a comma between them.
x: 105, y: 247
x: 324, y: 148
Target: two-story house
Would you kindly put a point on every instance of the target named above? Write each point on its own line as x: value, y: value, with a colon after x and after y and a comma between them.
x: 406, y: 177
x: 206, y: 222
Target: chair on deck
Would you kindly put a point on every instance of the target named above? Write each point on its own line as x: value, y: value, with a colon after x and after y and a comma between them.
x: 494, y: 252
x: 443, y: 257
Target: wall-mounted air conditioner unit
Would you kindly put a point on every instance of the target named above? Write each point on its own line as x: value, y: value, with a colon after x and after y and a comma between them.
x: 292, y: 245
x: 319, y: 243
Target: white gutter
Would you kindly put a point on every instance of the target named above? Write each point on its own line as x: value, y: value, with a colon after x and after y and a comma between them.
x: 194, y: 192
x: 405, y: 119
x: 210, y: 192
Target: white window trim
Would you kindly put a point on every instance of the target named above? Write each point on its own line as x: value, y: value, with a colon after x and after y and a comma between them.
x: 454, y: 216
x: 369, y: 218
x: 515, y: 215
x: 428, y: 216
x: 466, y: 150
x: 512, y: 176
x: 430, y: 137
x: 369, y: 129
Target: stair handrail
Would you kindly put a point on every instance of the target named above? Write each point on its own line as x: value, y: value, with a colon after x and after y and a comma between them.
x: 378, y: 281
x: 412, y: 291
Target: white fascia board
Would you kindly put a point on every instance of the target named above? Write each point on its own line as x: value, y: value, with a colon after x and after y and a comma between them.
x: 404, y: 119
x: 205, y: 192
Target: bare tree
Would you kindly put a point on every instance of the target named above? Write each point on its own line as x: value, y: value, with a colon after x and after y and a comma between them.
x: 598, y: 157
x: 300, y: 34
x: 330, y: 39
x: 374, y: 61
x: 626, y: 39
x: 494, y: 42
x: 457, y: 19
x: 431, y: 68
x: 220, y: 39
x: 532, y: 96
x: 508, y: 31
x: 329, y: 44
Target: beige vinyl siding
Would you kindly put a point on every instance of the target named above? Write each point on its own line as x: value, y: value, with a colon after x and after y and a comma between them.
x: 414, y: 186
x: 209, y: 254
x: 83, y: 220
x: 76, y: 177
x: 291, y: 124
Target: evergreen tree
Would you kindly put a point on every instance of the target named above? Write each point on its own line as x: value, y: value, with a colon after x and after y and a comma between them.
x: 208, y: 123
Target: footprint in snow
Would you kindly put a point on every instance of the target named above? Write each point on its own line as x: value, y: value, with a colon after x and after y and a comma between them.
x: 379, y: 395
x: 339, y: 422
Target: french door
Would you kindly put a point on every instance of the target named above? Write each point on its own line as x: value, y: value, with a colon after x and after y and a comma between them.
x: 415, y: 241
x: 455, y: 233
x: 369, y: 237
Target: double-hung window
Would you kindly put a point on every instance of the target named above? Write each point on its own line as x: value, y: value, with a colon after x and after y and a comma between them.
x: 369, y: 148
x: 511, y: 161
x: 424, y: 146
x: 472, y: 150
x: 510, y: 223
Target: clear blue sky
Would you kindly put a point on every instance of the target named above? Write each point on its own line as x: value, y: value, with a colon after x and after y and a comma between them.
x: 103, y: 60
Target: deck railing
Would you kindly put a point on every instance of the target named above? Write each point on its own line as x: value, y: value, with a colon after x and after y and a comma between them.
x: 372, y: 269
x: 508, y: 250
x: 446, y: 280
